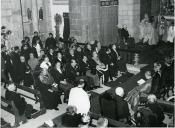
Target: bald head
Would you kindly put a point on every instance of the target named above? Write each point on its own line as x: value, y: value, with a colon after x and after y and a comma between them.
x: 152, y: 98
x: 119, y: 91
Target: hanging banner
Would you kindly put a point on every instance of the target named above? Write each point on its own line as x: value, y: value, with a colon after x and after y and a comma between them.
x: 108, y: 2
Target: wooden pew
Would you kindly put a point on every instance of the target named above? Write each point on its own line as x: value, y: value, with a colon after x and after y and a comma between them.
x: 36, y: 93
x: 111, y: 122
x: 167, y: 106
x: 4, y: 124
x: 33, y: 115
x: 32, y: 91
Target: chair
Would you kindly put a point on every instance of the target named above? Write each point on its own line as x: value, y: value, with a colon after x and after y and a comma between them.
x: 171, y: 99
x: 108, y: 106
x: 167, y: 106
x: 101, y: 76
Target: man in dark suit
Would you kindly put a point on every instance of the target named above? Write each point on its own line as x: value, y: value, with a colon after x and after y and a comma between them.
x: 114, y: 106
x: 167, y: 77
x: 15, y: 57
x: 71, y: 118
x: 108, y: 61
x: 124, y: 33
x: 157, y: 111
x: 51, y: 55
x: 59, y: 57
x: 88, y: 51
x: 115, y: 58
x: 156, y: 81
x: 18, y: 104
x: 70, y: 56
x: 8, y: 63
x: 122, y: 106
x: 35, y: 38
x: 72, y: 72
x: 50, y: 42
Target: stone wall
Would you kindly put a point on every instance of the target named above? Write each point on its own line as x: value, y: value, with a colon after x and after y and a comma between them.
x: 129, y: 14
x: 84, y: 19
x: 60, y: 7
x: 11, y: 18
x: 47, y: 22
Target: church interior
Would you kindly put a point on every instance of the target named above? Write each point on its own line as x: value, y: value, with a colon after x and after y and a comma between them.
x: 87, y: 63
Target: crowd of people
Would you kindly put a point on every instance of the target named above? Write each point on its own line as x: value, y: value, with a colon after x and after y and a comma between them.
x: 159, y: 84
x: 154, y: 30
x: 54, y: 68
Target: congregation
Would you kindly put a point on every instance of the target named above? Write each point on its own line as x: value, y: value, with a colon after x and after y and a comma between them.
x: 58, y: 67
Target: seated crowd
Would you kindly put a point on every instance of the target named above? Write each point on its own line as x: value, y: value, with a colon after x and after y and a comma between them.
x: 55, y: 69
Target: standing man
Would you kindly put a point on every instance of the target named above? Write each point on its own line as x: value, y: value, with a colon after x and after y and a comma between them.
x: 79, y: 98
x: 50, y: 42
x: 35, y: 38
x: 162, y: 28
x: 124, y: 33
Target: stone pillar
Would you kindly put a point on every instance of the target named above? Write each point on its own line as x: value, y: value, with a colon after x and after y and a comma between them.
x: 84, y: 19
x: 11, y: 18
x: 35, y: 15
x: 129, y: 14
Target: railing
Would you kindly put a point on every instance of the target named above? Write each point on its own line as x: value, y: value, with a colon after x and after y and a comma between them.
x: 128, y: 55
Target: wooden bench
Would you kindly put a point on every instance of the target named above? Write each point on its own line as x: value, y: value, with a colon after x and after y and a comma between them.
x: 32, y: 91
x: 111, y: 122
x: 167, y: 106
x: 4, y: 124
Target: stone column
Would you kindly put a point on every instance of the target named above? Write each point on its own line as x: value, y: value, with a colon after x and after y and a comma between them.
x: 129, y: 14
x: 34, y: 15
x: 84, y: 19
x: 11, y: 18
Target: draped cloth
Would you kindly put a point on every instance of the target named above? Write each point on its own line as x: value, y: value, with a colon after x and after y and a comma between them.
x: 50, y: 97
x: 134, y: 95
x: 171, y: 32
x: 147, y: 33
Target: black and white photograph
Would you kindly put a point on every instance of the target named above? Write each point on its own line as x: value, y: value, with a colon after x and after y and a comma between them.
x: 87, y: 63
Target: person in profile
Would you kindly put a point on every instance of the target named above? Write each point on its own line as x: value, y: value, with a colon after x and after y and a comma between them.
x: 50, y: 97
x: 50, y: 42
x: 124, y: 33
x: 35, y: 38
x: 122, y: 106
x: 102, y: 123
x: 85, y: 121
x: 71, y: 118
x: 156, y: 109
x: 151, y: 115
x: 79, y: 98
x: 18, y: 104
